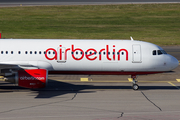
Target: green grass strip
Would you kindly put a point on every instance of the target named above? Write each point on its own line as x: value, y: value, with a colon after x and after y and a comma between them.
x: 156, y: 23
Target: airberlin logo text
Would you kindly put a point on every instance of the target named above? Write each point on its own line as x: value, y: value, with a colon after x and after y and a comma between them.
x: 89, y: 54
x: 31, y: 78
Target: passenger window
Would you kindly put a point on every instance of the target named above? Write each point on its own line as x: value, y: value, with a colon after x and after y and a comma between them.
x: 39, y: 52
x: 35, y: 52
x: 44, y: 52
x: 19, y: 52
x: 6, y: 52
x: 122, y: 53
x: 26, y: 52
x: 1, y: 52
x: 11, y: 52
x: 154, y: 52
x: 30, y: 52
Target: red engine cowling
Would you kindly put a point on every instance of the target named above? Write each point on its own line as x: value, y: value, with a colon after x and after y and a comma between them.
x: 32, y: 78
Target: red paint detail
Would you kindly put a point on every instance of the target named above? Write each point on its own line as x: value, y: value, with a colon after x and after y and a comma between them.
x: 88, y: 55
x: 55, y: 56
x: 60, y: 45
x: 101, y: 53
x: 60, y: 54
x: 33, y: 78
x: 66, y: 53
x: 114, y: 54
x: 73, y: 50
x: 120, y: 54
x: 107, y: 52
x: 0, y: 35
x: 103, y: 72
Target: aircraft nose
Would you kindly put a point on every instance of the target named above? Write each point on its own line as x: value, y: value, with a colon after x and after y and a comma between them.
x: 174, y: 62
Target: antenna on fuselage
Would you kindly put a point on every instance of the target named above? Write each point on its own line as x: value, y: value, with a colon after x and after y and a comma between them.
x: 131, y: 38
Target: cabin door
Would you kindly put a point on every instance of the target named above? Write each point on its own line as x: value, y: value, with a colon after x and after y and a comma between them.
x: 136, y: 53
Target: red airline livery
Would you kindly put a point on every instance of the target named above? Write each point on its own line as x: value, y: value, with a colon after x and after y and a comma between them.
x: 27, y: 62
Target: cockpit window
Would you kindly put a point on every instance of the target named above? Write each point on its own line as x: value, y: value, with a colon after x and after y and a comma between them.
x: 164, y: 52
x: 158, y: 52
x: 154, y: 52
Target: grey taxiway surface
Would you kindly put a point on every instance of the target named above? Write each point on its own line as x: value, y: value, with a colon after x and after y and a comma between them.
x: 69, y: 97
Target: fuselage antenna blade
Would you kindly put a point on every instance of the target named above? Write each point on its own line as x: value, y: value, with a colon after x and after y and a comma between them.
x: 131, y: 38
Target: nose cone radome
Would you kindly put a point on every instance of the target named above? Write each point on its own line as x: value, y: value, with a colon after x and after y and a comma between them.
x: 174, y: 62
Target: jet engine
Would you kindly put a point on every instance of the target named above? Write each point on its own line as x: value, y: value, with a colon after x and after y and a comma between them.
x: 31, y: 78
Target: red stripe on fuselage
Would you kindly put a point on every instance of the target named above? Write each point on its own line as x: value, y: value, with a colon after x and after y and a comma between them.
x: 103, y: 72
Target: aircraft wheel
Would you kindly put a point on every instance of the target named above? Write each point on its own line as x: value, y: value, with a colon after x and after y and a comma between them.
x: 135, y: 87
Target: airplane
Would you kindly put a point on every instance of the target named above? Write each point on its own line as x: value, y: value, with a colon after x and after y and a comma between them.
x: 27, y: 62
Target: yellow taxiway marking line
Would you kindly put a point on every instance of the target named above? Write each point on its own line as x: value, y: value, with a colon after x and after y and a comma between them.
x: 178, y: 80
x: 84, y: 79
x: 173, y: 85
x: 123, y: 81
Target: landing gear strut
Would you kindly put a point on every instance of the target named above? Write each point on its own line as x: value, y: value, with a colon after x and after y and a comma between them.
x: 134, y: 86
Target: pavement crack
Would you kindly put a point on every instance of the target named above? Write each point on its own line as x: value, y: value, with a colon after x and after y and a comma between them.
x: 151, y: 101
x: 74, y: 96
x: 121, y: 115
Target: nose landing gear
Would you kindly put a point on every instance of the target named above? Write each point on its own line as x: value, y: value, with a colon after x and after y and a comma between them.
x: 134, y: 86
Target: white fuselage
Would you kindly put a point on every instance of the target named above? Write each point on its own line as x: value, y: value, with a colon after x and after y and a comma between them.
x: 86, y: 56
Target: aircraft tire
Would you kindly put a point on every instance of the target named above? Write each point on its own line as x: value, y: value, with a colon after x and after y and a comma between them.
x: 135, y: 87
